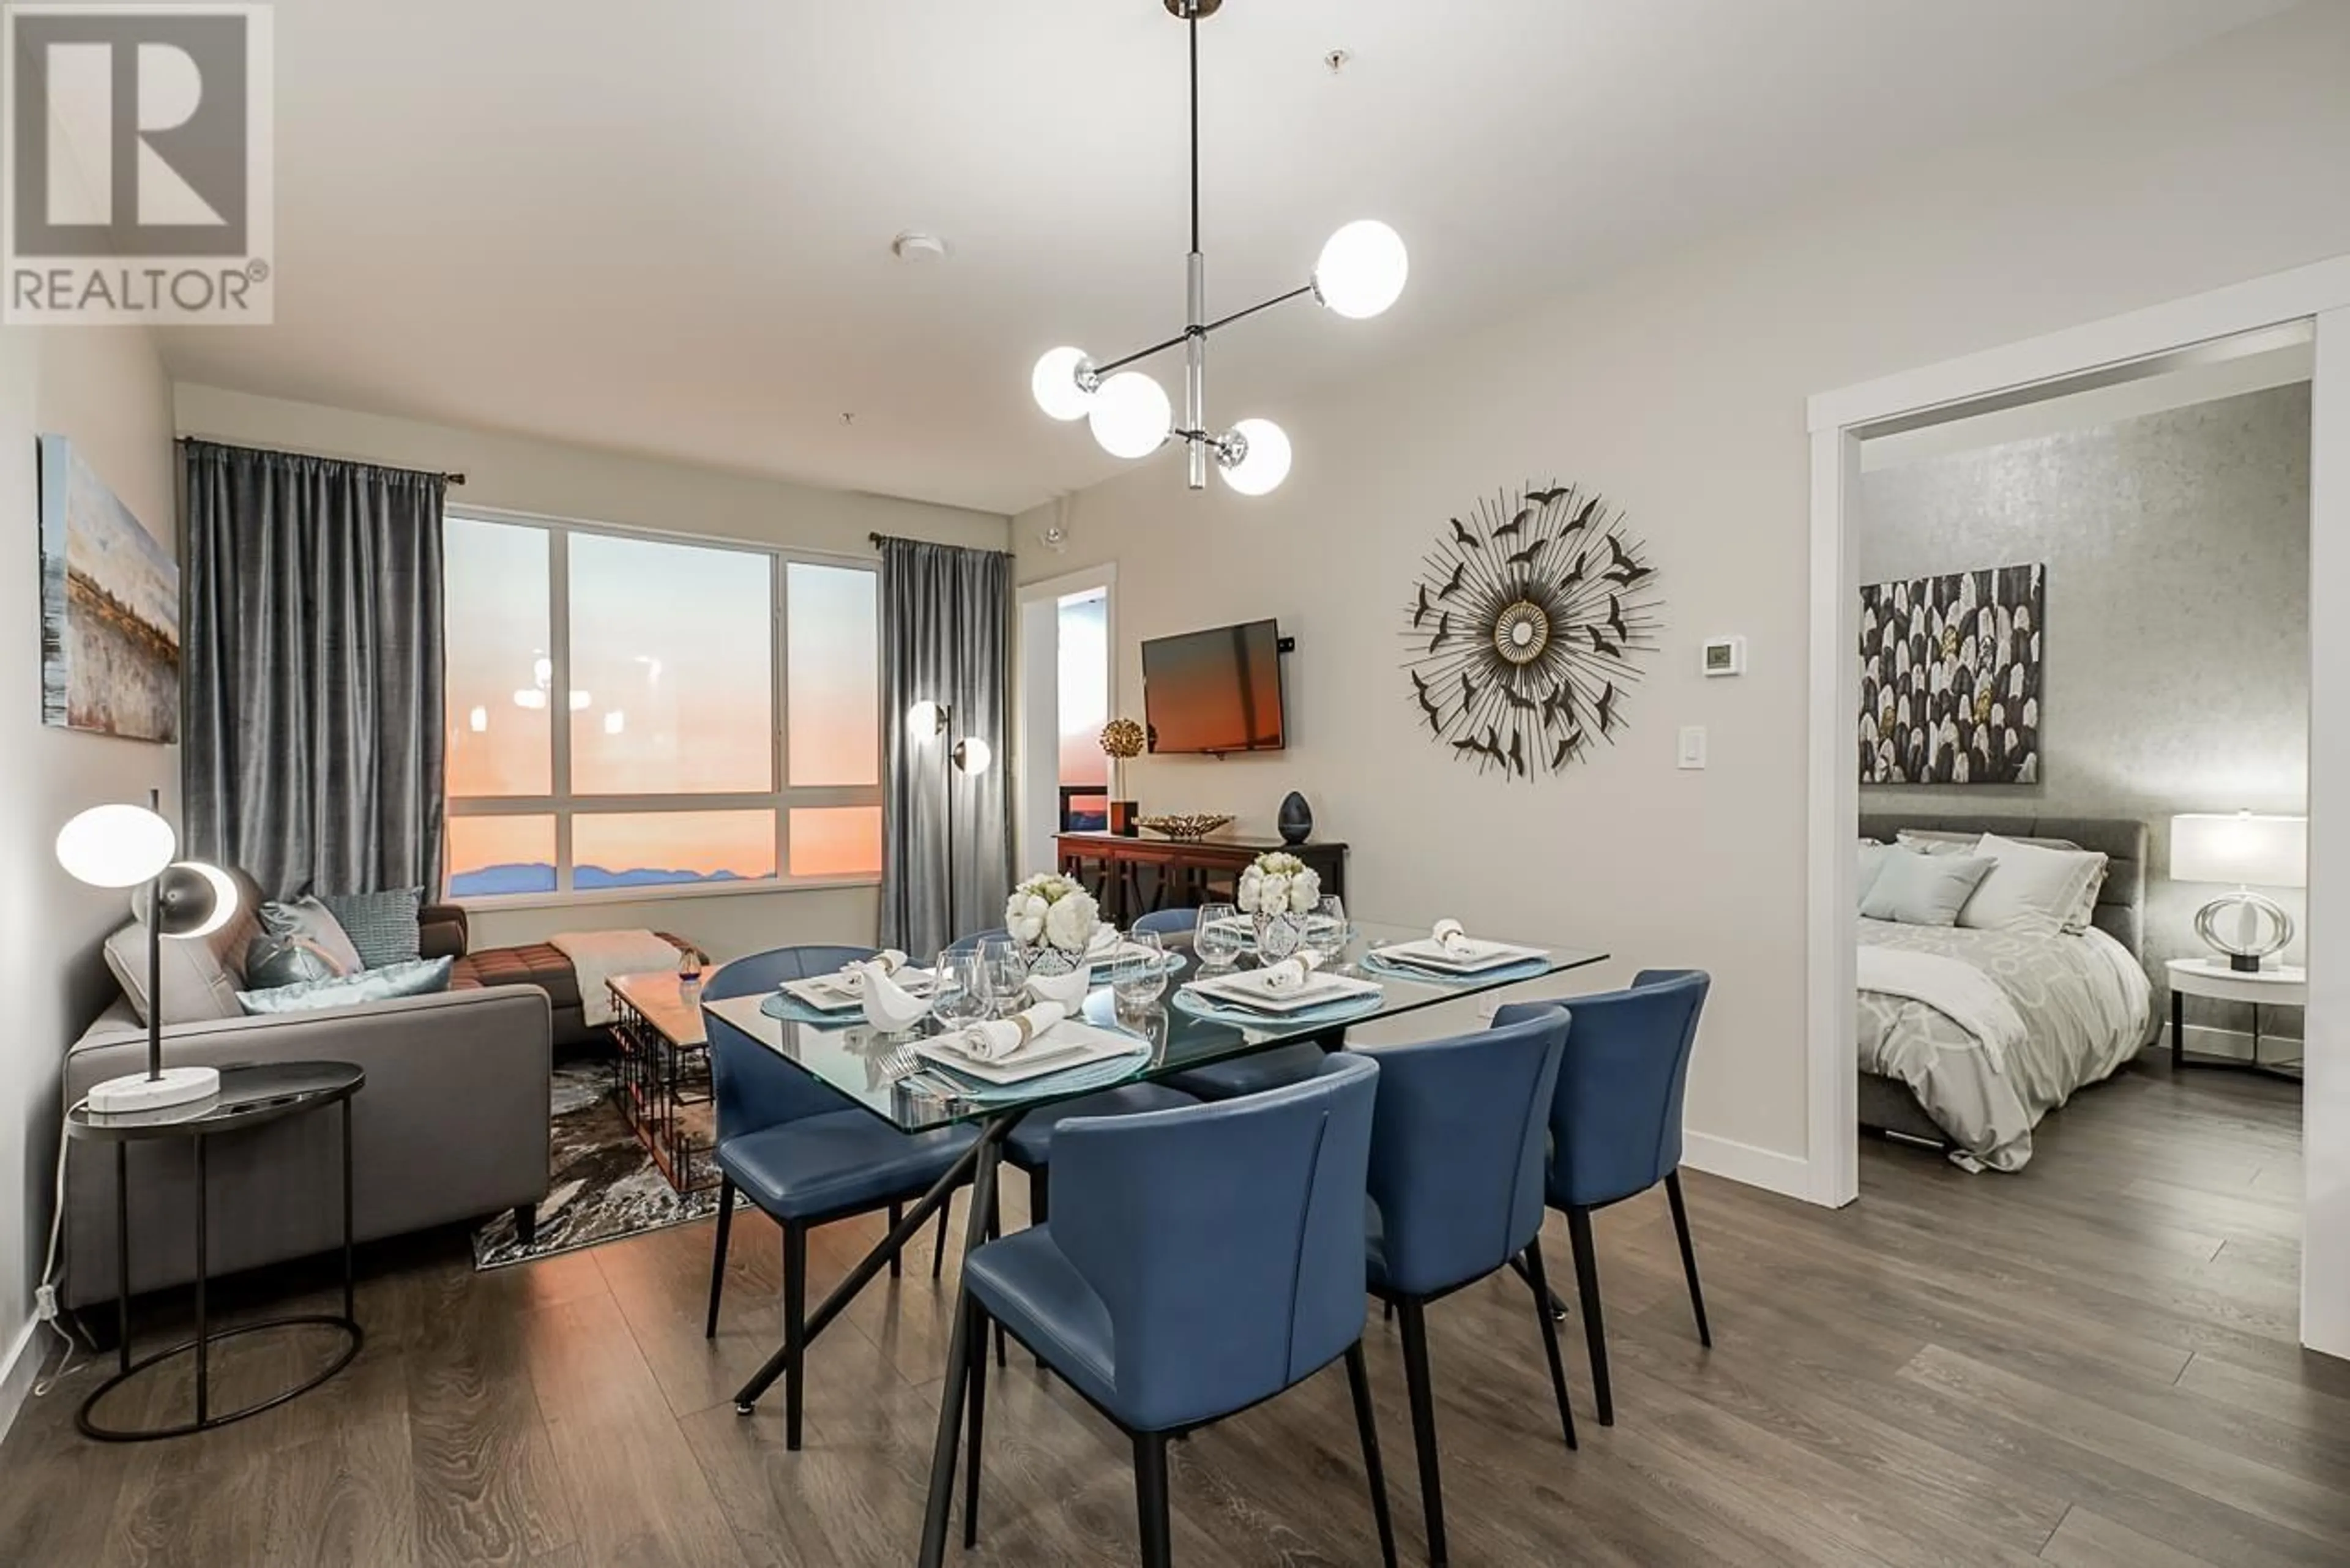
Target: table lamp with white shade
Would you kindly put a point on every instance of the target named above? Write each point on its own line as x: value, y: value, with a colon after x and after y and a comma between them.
x: 132, y: 847
x: 2251, y: 852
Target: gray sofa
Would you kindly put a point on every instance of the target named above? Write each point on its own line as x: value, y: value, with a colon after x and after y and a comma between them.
x: 452, y: 1125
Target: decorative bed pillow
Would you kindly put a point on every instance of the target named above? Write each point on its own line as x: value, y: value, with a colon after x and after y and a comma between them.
x: 1933, y: 841
x: 382, y: 926
x: 314, y: 923
x: 271, y: 962
x: 1872, y: 861
x: 419, y: 977
x: 2032, y: 889
x: 1920, y: 889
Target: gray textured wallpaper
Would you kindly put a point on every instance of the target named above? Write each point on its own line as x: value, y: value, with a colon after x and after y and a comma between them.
x: 2177, y: 674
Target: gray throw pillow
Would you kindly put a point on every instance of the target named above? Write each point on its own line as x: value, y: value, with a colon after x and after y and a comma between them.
x: 420, y: 977
x: 314, y: 923
x: 1872, y: 861
x: 1918, y: 889
x: 271, y: 962
x: 382, y: 926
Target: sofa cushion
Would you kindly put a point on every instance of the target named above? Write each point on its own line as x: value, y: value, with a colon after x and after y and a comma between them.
x: 535, y: 963
x: 198, y: 986
x: 382, y: 926
x: 310, y: 919
x: 418, y: 977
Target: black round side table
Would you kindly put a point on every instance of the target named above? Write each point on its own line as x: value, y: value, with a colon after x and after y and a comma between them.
x: 249, y: 1096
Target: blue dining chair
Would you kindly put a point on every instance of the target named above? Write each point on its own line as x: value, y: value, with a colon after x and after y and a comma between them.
x: 1029, y: 1147
x: 1199, y: 1262
x: 1245, y: 1075
x: 1456, y: 1195
x: 799, y: 1149
x: 1169, y: 922
x: 1616, y: 1127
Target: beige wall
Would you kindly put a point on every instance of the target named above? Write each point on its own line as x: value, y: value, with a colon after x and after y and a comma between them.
x: 1679, y: 389
x: 513, y: 473
x: 104, y: 389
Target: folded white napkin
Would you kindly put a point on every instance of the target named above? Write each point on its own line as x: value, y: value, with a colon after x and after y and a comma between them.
x: 1066, y: 991
x: 890, y: 961
x: 1448, y: 936
x: 1006, y: 1037
x: 1291, y: 972
x: 888, y: 1005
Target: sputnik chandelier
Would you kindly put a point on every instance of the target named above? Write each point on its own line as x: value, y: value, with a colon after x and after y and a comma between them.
x: 1361, y: 272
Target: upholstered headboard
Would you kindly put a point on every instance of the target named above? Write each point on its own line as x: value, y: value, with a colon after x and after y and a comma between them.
x: 2121, y: 903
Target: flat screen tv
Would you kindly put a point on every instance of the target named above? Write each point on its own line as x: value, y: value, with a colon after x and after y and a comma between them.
x: 1214, y: 691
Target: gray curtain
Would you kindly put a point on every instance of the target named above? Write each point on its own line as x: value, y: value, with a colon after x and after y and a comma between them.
x: 313, y: 749
x: 946, y: 638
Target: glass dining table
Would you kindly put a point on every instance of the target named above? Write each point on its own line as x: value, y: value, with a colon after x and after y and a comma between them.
x: 881, y: 1072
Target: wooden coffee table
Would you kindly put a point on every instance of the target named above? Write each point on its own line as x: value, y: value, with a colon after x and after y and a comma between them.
x: 664, y: 1073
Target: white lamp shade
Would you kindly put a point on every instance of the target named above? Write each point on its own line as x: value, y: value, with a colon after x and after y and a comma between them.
x: 973, y: 754
x: 1362, y: 270
x: 1131, y: 415
x: 2243, y: 850
x: 924, y: 719
x: 115, y: 846
x: 224, y: 898
x: 1267, y: 462
x: 1055, y: 384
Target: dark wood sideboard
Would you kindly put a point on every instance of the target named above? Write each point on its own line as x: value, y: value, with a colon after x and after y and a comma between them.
x: 1131, y: 877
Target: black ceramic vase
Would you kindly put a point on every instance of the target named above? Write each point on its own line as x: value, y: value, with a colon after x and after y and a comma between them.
x: 1296, y: 819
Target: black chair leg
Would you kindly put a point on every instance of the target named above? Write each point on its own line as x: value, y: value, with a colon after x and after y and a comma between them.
x: 1594, y: 1330
x: 718, y: 1252
x: 794, y: 1330
x: 995, y: 1233
x: 526, y: 1224
x: 1423, y: 1423
x: 1151, y: 1500
x: 939, y: 1240
x: 1040, y: 1197
x: 1538, y: 1282
x: 1367, y: 1425
x: 977, y: 1407
x: 897, y: 1259
x: 1689, y: 1256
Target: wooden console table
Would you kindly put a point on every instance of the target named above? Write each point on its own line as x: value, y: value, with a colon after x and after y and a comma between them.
x: 1181, y: 873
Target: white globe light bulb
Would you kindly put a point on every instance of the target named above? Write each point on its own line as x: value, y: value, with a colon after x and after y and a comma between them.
x: 1266, y: 463
x: 1131, y: 415
x: 1055, y: 384
x: 1362, y: 270
x: 924, y: 719
x: 973, y: 754
x: 115, y: 846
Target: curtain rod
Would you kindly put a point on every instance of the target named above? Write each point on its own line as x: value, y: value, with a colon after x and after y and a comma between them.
x: 445, y: 478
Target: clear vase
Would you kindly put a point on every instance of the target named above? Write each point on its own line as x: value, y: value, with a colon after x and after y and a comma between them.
x: 1277, y: 937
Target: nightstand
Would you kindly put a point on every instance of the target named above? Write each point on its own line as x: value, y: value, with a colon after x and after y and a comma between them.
x: 2285, y: 986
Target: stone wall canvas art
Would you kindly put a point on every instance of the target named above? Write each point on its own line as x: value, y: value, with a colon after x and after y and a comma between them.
x: 1949, y: 678
x: 110, y: 608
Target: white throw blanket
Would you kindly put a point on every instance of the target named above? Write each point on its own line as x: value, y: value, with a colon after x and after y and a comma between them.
x: 597, y: 956
x: 1969, y: 998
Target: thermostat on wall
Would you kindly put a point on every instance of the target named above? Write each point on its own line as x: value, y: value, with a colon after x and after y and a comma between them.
x: 1725, y: 656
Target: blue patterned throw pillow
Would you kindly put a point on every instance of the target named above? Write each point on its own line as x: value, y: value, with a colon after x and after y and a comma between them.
x: 312, y: 922
x: 420, y: 977
x: 272, y: 960
x: 382, y: 926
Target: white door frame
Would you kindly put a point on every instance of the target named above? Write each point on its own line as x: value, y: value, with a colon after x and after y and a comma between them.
x: 2320, y: 294
x: 1032, y: 772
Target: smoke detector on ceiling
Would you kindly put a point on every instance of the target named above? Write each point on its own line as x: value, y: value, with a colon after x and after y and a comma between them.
x: 917, y: 249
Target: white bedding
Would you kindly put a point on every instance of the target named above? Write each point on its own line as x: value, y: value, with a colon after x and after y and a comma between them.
x: 2083, y: 1001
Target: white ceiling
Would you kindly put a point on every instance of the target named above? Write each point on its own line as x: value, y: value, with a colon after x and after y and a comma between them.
x: 666, y: 228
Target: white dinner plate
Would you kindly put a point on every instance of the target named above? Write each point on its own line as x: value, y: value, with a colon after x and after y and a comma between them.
x: 1467, y: 956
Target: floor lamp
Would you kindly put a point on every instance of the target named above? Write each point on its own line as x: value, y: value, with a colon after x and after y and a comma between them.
x: 969, y: 755
x: 125, y: 846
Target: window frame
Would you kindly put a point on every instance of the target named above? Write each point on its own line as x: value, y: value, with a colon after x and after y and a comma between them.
x: 565, y: 806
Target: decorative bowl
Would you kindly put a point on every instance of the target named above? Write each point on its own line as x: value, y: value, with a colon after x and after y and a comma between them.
x: 1188, y: 826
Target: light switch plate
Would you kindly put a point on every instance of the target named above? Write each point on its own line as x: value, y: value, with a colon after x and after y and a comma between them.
x: 1692, y: 753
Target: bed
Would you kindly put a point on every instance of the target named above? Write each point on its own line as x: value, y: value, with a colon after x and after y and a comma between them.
x: 2085, y: 1001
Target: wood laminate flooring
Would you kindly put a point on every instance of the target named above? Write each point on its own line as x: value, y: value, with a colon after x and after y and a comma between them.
x: 2090, y: 1363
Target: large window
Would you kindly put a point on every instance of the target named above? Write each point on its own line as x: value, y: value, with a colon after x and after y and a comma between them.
x: 629, y: 712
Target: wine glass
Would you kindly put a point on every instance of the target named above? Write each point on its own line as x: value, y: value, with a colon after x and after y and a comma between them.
x: 1007, y: 973
x: 1140, y: 974
x: 960, y: 991
x: 1217, y: 939
x: 1326, y: 931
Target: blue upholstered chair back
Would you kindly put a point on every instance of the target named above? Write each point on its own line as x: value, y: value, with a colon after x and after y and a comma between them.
x: 1616, y: 1121
x: 1226, y: 1240
x: 1169, y: 922
x: 754, y: 1089
x: 1457, y: 1149
x: 966, y: 944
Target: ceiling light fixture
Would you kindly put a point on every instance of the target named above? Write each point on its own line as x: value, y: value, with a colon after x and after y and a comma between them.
x: 1361, y: 272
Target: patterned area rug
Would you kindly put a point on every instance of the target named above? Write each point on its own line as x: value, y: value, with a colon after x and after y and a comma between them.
x: 602, y: 1184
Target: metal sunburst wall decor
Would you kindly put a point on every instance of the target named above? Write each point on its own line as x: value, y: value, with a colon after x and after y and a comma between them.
x: 1524, y: 630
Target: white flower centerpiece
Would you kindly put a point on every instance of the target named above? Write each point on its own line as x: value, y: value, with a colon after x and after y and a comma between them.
x: 1279, y: 890
x: 1055, y: 922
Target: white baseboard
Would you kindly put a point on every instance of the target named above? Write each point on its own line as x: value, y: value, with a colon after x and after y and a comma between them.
x: 19, y: 1370
x: 1767, y: 1168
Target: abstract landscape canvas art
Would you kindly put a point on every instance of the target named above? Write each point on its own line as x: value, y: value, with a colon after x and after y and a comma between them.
x: 1949, y: 678
x: 110, y: 608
